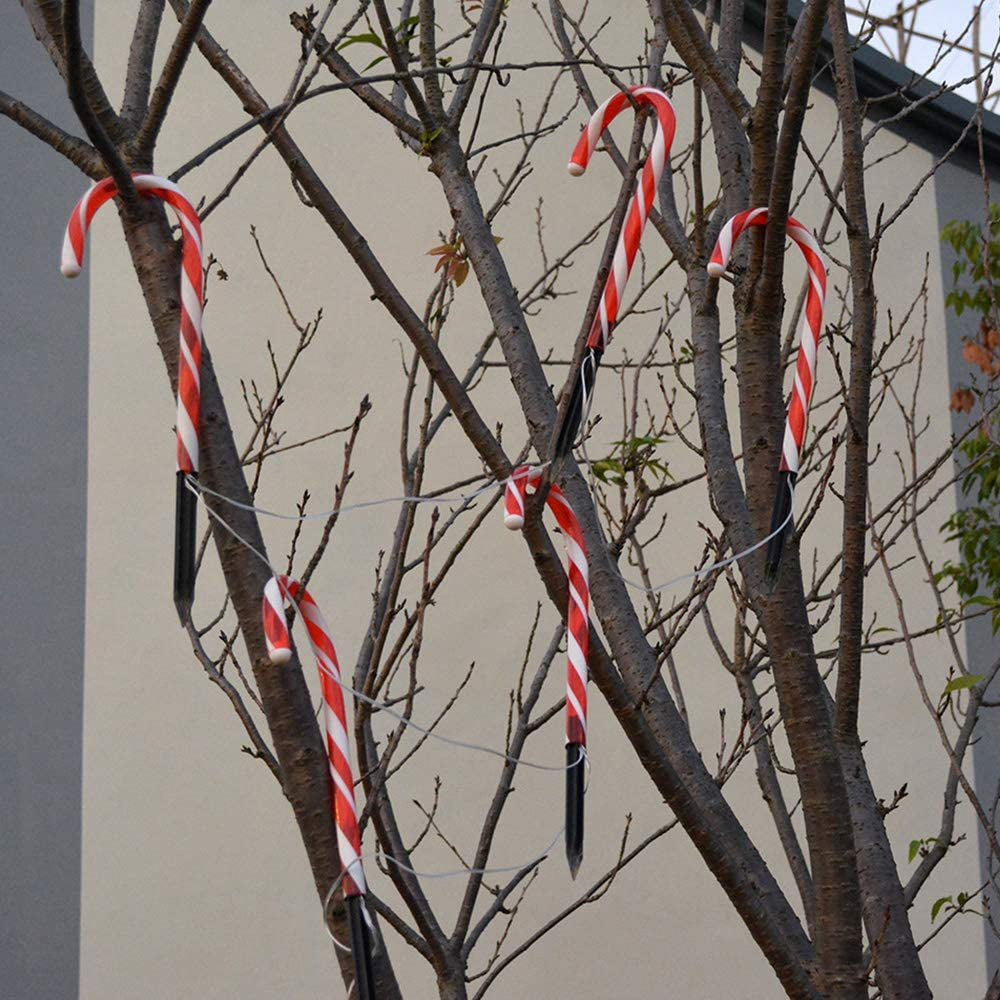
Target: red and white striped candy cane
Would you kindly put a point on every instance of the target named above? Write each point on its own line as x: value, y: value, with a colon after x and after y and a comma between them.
x: 812, y: 324
x: 577, y: 615
x: 577, y: 638
x: 278, y: 590
x: 189, y: 352
x: 645, y: 193
x: 805, y: 366
x: 189, y: 347
x: 628, y: 240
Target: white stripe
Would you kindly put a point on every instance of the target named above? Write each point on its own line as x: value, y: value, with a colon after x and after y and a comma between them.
x: 800, y: 234
x: 817, y: 285
x: 69, y: 263
x: 272, y: 594
x: 640, y: 202
x: 515, y: 495
x: 575, y: 554
x: 187, y: 434
x: 350, y: 861
x: 790, y: 451
x: 576, y: 658
x: 556, y: 495
x: 310, y: 611
x: 657, y: 153
x: 800, y: 391
x: 581, y: 715
x: 725, y: 243
x: 595, y: 128
x: 189, y: 361
x: 348, y: 855
x: 345, y: 790
x: 191, y: 302
x: 192, y: 230
x: 336, y: 730
x: 807, y: 344
x: 328, y: 666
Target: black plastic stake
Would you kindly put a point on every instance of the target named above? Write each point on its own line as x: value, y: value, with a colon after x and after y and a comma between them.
x: 583, y: 389
x: 361, y: 949
x: 185, y: 523
x: 780, y: 514
x: 575, y: 781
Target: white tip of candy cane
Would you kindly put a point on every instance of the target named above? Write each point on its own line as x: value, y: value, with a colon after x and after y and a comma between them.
x: 68, y: 263
x: 279, y: 656
x: 715, y: 269
x: 575, y: 169
x: 514, y: 521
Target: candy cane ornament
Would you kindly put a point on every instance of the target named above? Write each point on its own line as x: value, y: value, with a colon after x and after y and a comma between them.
x: 805, y: 367
x: 628, y: 240
x: 189, y: 353
x: 278, y: 591
x: 577, y: 637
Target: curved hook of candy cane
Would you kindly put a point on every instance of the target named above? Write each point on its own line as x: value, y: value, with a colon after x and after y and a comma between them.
x: 277, y: 591
x: 189, y: 353
x: 577, y: 640
x: 805, y: 367
x: 628, y: 240
x: 642, y: 199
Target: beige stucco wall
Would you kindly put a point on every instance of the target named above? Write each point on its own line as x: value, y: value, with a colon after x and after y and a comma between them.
x: 194, y: 881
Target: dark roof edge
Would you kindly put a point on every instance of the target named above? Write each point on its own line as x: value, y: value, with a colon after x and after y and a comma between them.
x: 942, y: 117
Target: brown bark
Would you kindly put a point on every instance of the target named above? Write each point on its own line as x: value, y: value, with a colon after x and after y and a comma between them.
x: 897, y: 963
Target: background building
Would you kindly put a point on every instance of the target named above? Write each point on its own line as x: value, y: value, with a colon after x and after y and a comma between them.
x: 141, y: 852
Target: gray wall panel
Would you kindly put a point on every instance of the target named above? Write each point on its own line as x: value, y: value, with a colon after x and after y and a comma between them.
x: 43, y: 409
x: 959, y: 195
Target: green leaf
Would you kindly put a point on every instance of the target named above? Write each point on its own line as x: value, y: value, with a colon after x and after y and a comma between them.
x: 915, y: 846
x: 426, y: 138
x: 366, y: 38
x: 936, y: 908
x: 960, y: 683
x: 608, y: 470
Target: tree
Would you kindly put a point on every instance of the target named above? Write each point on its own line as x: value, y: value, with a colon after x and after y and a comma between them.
x: 844, y: 872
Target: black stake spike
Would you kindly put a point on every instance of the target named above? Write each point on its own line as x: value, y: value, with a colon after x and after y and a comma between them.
x: 583, y: 389
x: 361, y: 948
x: 782, y: 509
x: 575, y: 781
x: 185, y: 525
